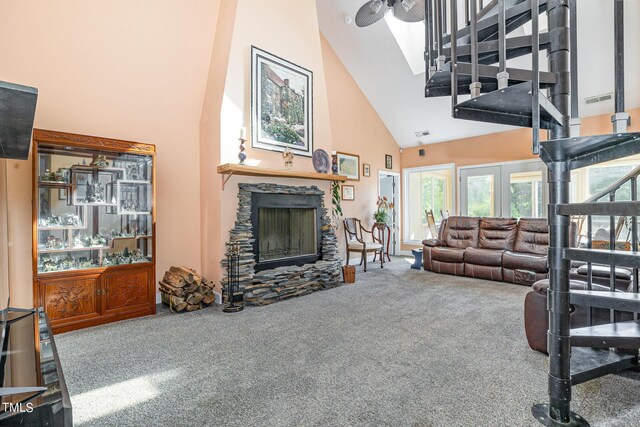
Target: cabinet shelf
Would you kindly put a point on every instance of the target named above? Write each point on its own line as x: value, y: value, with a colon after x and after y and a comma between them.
x: 52, y: 184
x: 61, y: 227
x: 74, y: 249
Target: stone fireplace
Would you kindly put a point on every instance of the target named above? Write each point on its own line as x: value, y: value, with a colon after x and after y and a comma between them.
x: 288, y: 246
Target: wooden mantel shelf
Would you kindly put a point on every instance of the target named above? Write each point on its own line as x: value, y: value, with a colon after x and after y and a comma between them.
x: 230, y: 169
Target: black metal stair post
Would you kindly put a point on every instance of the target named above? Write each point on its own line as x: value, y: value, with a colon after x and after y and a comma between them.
x: 558, y: 412
x: 620, y: 119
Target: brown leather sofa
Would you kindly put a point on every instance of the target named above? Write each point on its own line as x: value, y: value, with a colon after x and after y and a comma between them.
x: 501, y: 249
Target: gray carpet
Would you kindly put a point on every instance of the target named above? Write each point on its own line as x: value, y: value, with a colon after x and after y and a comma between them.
x: 398, y: 348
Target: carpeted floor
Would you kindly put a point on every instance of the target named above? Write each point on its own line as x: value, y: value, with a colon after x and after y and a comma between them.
x: 398, y: 348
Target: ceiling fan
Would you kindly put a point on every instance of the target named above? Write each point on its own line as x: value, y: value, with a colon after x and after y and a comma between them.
x: 405, y: 10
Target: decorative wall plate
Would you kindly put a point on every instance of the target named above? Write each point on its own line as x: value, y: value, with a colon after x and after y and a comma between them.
x: 321, y: 161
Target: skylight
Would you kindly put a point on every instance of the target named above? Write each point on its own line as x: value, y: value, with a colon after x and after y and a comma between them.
x: 410, y: 38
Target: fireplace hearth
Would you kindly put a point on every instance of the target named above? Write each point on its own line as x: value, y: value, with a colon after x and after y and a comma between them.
x: 287, y: 244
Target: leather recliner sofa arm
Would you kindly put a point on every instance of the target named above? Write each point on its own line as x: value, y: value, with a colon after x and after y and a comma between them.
x: 536, y: 316
x: 432, y: 243
x: 426, y: 252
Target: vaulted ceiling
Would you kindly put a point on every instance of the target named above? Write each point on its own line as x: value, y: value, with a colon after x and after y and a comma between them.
x: 375, y: 58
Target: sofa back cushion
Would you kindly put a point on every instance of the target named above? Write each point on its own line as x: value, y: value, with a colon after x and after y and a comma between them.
x: 461, y: 232
x: 498, y: 233
x: 443, y: 227
x: 532, y: 236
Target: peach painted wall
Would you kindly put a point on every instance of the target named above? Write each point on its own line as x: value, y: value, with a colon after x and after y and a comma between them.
x: 129, y: 70
x: 210, y: 128
x: 357, y: 128
x: 498, y: 147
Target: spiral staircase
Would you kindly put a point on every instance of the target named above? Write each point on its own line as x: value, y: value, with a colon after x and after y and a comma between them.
x: 467, y: 48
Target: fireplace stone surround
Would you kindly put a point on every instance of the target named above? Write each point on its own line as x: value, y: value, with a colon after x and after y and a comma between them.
x: 269, y: 286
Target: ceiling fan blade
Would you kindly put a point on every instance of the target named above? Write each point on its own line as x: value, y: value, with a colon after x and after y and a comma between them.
x: 366, y: 15
x: 415, y: 14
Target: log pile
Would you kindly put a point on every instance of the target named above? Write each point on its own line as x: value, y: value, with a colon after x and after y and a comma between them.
x: 182, y: 289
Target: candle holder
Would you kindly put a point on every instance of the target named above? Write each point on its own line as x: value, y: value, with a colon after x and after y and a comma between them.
x: 242, y: 155
x: 234, y: 296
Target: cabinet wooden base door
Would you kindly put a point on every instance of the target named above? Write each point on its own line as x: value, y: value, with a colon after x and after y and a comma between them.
x: 71, y: 299
x: 78, y: 301
x: 127, y: 289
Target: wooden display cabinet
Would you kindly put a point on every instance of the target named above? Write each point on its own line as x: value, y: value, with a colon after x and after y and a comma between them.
x: 93, y: 229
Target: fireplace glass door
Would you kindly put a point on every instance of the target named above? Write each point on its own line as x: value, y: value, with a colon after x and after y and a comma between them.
x: 286, y: 233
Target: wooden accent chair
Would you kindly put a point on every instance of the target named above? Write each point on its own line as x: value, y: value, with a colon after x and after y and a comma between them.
x: 431, y: 223
x: 353, y: 230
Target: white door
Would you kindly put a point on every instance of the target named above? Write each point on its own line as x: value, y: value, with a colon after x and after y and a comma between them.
x: 388, y: 187
x: 517, y: 190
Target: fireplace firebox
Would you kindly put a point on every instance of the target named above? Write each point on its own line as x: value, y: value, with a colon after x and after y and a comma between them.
x: 286, y: 229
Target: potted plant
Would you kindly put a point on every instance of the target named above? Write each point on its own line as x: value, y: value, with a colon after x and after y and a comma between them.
x: 381, y: 216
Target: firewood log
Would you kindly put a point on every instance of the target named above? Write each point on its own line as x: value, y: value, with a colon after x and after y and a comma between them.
x: 190, y: 288
x: 209, y: 297
x: 193, y: 307
x: 170, y: 289
x: 176, y: 303
x: 194, y: 298
x: 189, y: 275
x: 174, y: 279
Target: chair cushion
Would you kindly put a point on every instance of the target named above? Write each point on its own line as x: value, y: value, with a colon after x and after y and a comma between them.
x: 522, y: 261
x: 358, y: 246
x: 447, y: 254
x: 498, y: 233
x: 532, y: 236
x: 486, y: 257
x: 461, y: 232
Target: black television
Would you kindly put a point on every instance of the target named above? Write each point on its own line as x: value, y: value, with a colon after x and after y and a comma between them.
x: 17, y: 112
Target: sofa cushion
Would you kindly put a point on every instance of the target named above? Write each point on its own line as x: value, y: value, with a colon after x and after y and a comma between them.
x: 498, y: 233
x: 483, y: 272
x: 447, y: 254
x: 488, y: 257
x: 523, y: 261
x: 604, y: 271
x: 461, y: 232
x: 532, y: 236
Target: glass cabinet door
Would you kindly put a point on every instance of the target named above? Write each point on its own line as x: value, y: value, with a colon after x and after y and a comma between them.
x: 94, y: 208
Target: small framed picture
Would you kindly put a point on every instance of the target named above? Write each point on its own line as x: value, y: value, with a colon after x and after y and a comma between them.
x: 366, y: 169
x: 349, y: 165
x: 348, y: 192
x: 388, y: 161
x: 62, y: 194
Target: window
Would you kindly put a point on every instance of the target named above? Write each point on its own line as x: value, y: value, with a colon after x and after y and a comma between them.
x: 526, y: 195
x: 587, y: 182
x: 592, y: 180
x: 426, y: 188
x: 480, y: 195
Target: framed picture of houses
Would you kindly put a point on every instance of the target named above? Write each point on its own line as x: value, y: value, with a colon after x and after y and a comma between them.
x: 281, y: 104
